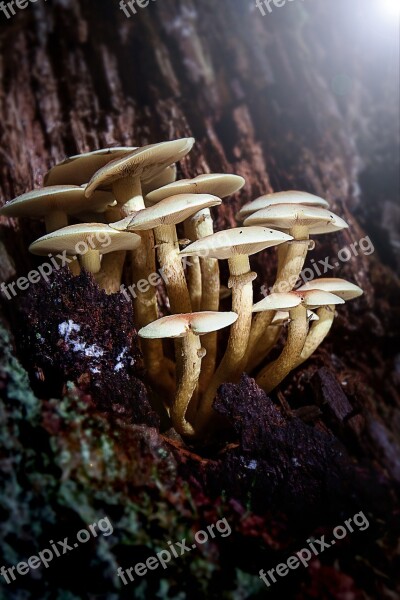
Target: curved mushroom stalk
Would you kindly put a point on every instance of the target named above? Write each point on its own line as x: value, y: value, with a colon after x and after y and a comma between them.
x: 202, y: 272
x: 276, y: 371
x: 232, y: 365
x: 318, y: 332
x: 293, y: 255
x: 189, y: 354
x: 326, y: 314
x: 162, y: 218
x: 188, y: 377
x: 301, y: 220
x: 236, y: 245
x: 297, y: 303
x: 125, y: 176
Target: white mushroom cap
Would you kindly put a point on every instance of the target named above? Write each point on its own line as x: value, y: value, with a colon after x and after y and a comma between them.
x: 78, y: 169
x: 170, y: 211
x: 177, y: 326
x: 340, y: 287
x: 287, y: 300
x: 235, y: 242
x: 289, y: 197
x: 278, y: 301
x: 146, y: 162
x: 217, y: 184
x: 286, y: 216
x: 97, y: 237
x: 316, y: 298
x: 69, y: 199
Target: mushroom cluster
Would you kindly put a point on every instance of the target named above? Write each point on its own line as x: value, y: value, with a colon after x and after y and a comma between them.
x: 130, y: 197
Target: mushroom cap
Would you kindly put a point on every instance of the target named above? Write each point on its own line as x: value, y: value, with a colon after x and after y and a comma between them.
x: 78, y: 169
x: 66, y: 198
x: 284, y: 301
x: 170, y: 211
x: 94, y: 234
x: 285, y: 216
x: 316, y: 298
x: 217, y: 184
x: 177, y: 326
x: 146, y: 162
x: 278, y: 301
x: 235, y: 242
x: 289, y: 197
x: 340, y: 287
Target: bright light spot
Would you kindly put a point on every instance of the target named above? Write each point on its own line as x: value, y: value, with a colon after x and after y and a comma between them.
x: 391, y: 6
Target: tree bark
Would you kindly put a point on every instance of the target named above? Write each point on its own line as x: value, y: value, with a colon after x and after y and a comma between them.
x: 298, y: 99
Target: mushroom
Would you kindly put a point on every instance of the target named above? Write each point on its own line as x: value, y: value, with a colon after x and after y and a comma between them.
x: 236, y: 245
x: 88, y: 241
x: 126, y: 176
x: 203, y: 273
x: 162, y: 218
x: 55, y: 204
x: 187, y: 327
x: 164, y: 178
x: 326, y: 314
x: 301, y: 222
x: 289, y: 197
x: 297, y: 303
x: 78, y: 169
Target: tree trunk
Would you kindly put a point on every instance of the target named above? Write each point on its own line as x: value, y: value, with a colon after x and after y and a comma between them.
x: 305, y: 97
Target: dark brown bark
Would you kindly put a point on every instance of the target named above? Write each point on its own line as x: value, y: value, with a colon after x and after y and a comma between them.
x: 303, y: 98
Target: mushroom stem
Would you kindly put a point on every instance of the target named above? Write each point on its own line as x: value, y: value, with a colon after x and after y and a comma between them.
x: 54, y: 220
x: 90, y: 261
x: 193, y: 270
x: 293, y: 263
x: 128, y: 193
x: 201, y: 226
x: 171, y: 264
x: 272, y: 334
x: 276, y: 371
x: 233, y: 362
x: 110, y: 275
x: 188, y: 365
x: 318, y: 332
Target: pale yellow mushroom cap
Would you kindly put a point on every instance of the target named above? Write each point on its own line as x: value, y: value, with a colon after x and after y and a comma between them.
x: 286, y: 216
x: 170, y: 211
x: 177, y: 326
x: 146, y: 162
x: 289, y: 197
x: 217, y: 184
x: 69, y: 199
x: 78, y: 169
x: 235, y: 242
x: 340, y: 287
x: 95, y: 235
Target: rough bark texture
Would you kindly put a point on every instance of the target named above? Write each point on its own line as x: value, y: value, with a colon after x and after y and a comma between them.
x: 305, y: 97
